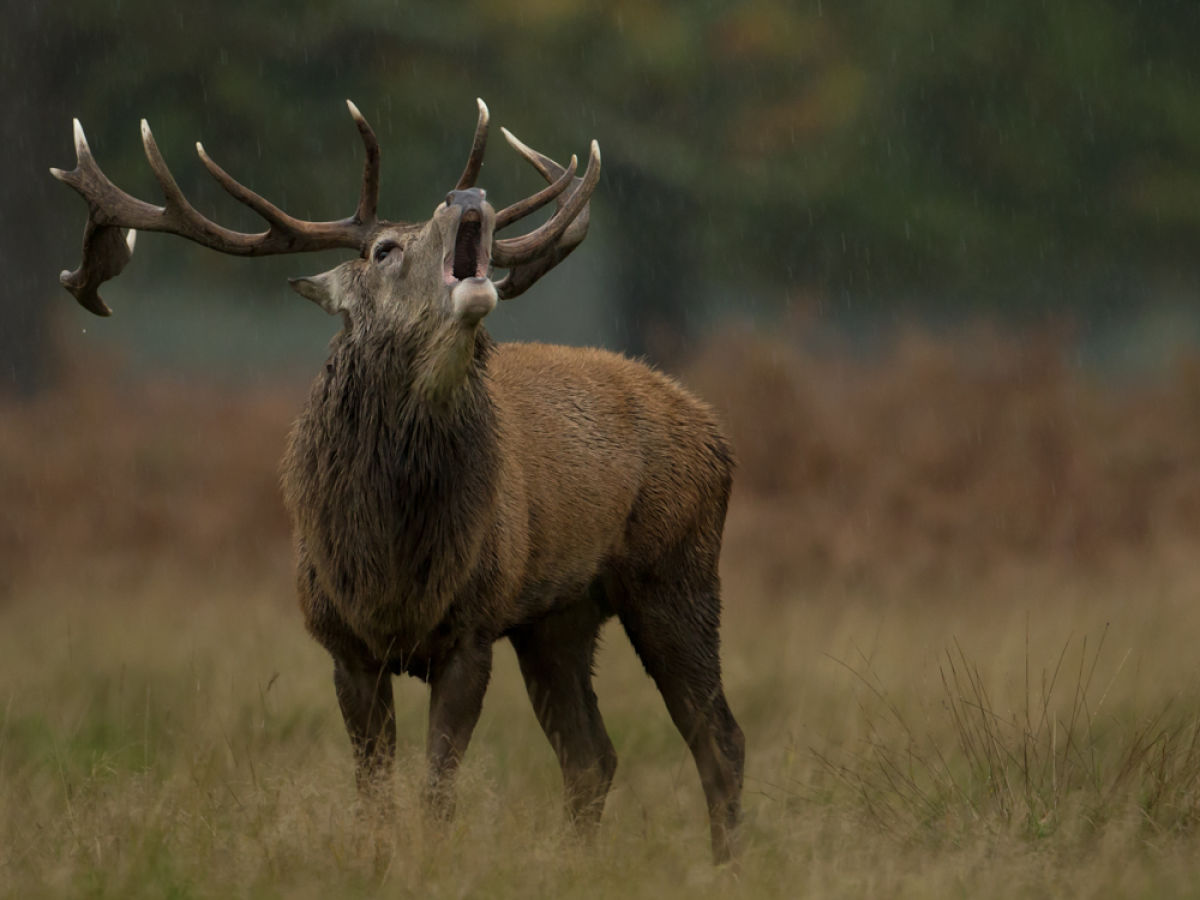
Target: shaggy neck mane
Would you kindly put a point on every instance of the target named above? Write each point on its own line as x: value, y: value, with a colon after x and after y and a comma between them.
x: 389, y: 487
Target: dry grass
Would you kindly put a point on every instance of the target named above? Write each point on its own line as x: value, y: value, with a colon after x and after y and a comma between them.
x: 960, y: 630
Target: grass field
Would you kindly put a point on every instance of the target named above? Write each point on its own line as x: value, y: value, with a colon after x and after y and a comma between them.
x: 962, y: 652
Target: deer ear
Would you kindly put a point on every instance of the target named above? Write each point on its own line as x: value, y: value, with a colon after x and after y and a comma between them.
x: 325, y: 290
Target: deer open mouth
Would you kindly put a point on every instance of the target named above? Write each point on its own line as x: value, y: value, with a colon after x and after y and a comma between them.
x: 467, y: 258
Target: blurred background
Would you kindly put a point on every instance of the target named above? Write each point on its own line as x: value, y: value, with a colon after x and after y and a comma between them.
x: 861, y: 163
x: 936, y: 262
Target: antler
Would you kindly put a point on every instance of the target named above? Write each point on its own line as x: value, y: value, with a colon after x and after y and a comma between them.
x: 106, y: 251
x: 110, y: 209
x: 532, y: 255
x: 478, y: 145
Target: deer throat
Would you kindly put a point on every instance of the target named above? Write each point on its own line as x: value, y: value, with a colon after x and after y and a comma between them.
x: 392, y: 495
x: 442, y: 368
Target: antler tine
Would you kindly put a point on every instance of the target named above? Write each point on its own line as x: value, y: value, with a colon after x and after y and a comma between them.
x: 270, y: 213
x: 368, y: 202
x: 283, y: 224
x: 509, y: 252
x: 548, y: 168
x: 478, y: 145
x: 532, y: 204
x: 180, y: 217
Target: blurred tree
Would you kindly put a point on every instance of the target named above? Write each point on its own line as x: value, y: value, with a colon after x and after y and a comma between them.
x: 1003, y: 138
x: 26, y: 252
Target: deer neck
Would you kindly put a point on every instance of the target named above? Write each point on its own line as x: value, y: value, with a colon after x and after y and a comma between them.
x: 391, y: 476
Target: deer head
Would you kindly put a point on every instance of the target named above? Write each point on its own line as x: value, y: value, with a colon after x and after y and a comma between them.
x: 437, y: 270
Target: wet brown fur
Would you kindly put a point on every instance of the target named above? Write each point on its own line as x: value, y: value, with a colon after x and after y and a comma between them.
x: 550, y: 489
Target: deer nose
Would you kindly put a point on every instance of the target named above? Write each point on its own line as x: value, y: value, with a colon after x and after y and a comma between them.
x: 471, y: 198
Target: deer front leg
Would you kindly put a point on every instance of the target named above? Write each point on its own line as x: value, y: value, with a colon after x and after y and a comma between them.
x: 457, y: 685
x: 365, y: 696
x: 363, y: 684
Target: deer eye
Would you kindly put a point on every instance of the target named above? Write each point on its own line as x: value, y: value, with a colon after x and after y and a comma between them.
x: 383, y: 248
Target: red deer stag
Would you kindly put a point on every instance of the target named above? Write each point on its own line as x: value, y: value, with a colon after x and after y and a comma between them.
x: 448, y: 491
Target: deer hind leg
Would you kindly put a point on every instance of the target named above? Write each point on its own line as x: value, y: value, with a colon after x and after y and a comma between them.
x: 555, y: 654
x: 673, y: 626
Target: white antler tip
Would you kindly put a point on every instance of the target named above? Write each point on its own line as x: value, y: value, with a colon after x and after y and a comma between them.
x: 81, y: 144
x: 596, y: 150
x: 353, y: 109
x: 146, y: 130
x: 483, y: 109
x: 131, y: 239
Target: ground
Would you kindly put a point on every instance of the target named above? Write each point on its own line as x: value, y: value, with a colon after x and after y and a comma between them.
x: 960, y: 617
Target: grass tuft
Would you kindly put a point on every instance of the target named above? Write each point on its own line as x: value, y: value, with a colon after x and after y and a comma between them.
x: 1051, y: 758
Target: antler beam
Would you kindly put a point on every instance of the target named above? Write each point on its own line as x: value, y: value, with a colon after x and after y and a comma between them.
x: 111, y: 209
